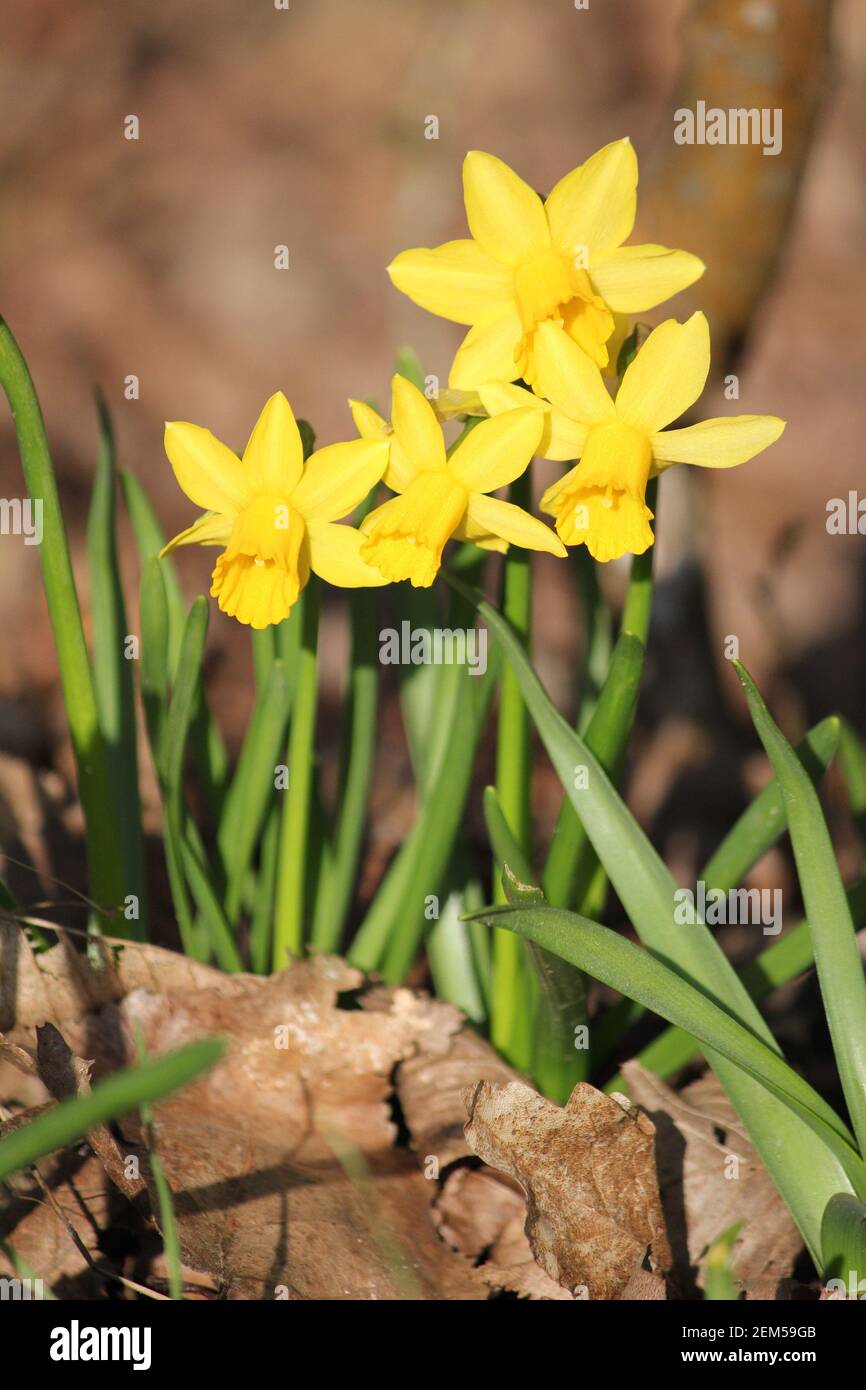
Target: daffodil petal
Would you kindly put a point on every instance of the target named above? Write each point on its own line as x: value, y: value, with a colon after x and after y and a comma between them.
x: 635, y: 278
x: 458, y: 280
x: 499, y: 396
x: 449, y: 403
x: 207, y: 470
x: 417, y: 430
x: 338, y: 477
x: 476, y: 535
x: 335, y: 556
x: 719, y: 443
x: 561, y: 438
x: 368, y: 422
x: 497, y: 451
x: 274, y: 456
x: 211, y: 529
x: 568, y: 378
x: 594, y: 205
x: 506, y: 216
x: 513, y: 524
x: 667, y: 375
x: 487, y: 353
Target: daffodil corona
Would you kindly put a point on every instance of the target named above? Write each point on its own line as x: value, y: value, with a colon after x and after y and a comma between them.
x: 275, y: 514
x: 601, y: 503
x: 443, y: 496
x: 528, y: 263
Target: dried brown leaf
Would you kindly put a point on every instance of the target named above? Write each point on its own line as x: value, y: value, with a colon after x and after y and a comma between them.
x: 711, y: 1177
x: 588, y: 1171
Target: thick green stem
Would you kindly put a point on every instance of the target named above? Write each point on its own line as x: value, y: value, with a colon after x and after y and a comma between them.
x: 295, y: 825
x: 511, y: 1015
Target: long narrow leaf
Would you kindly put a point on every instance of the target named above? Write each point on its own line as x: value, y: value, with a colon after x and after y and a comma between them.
x: 805, y: 1170
x: 837, y: 959
x: 104, y: 859
x: 638, y: 974
x: 120, y: 1093
x: 113, y: 667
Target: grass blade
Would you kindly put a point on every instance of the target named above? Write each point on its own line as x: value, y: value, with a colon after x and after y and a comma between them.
x: 120, y: 1093
x: 800, y: 1163
x: 291, y: 895
x: 392, y: 930
x: 360, y: 714
x: 209, y: 751
x: 112, y: 667
x: 105, y: 867
x: 252, y: 787
x: 776, y: 965
x: 176, y: 730
x: 511, y: 1019
x: 641, y: 976
x: 837, y: 959
x: 843, y: 1241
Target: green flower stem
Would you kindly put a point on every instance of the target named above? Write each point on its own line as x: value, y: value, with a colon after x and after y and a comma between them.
x: 208, y: 749
x: 104, y: 850
x: 361, y: 708
x: 511, y: 1018
x: 295, y: 824
x: 638, y: 603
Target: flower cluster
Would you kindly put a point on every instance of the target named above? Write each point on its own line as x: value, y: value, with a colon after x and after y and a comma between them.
x: 547, y: 287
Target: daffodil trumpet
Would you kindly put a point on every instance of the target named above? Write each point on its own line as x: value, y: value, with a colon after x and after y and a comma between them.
x: 442, y: 494
x: 623, y: 442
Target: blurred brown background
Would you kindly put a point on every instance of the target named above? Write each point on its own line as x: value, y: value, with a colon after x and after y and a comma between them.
x: 306, y: 127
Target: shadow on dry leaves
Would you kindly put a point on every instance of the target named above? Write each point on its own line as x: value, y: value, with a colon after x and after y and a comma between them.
x: 358, y: 1142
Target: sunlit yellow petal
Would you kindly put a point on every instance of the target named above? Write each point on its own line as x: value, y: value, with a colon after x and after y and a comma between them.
x: 513, y: 524
x: 499, y: 396
x: 568, y: 379
x: 338, y: 477
x: 368, y: 422
x: 497, y: 451
x: 487, y: 353
x: 415, y: 425
x: 405, y: 537
x: 718, y: 443
x: 274, y: 456
x: 209, y: 473
x: 506, y: 216
x: 468, y: 531
x: 211, y: 529
x: 561, y: 437
x: 335, y: 556
x: 667, y: 375
x: 636, y: 278
x: 450, y: 403
x: 458, y: 281
x: 594, y: 205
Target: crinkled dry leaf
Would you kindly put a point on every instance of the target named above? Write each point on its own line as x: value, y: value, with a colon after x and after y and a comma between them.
x: 284, y: 1164
x: 480, y: 1212
x: 588, y: 1171
x: 710, y: 1178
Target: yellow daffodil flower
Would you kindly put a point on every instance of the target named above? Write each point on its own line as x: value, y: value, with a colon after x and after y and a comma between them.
x: 275, y: 514
x: 443, y: 495
x: 531, y: 262
x: 601, y: 503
